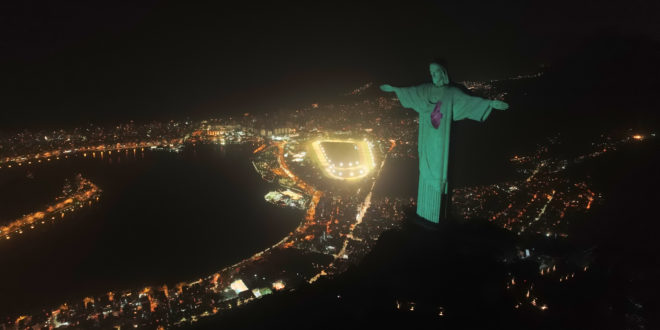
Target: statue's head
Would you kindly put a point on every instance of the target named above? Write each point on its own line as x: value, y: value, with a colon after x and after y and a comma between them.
x: 438, y: 74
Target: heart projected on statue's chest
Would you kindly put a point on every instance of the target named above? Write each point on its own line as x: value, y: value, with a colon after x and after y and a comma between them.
x: 436, y: 115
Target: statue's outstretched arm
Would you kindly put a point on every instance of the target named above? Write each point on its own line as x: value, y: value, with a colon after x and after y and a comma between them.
x: 409, y: 97
x: 387, y: 88
x: 499, y: 105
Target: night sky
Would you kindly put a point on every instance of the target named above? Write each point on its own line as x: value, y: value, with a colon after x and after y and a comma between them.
x: 66, y: 63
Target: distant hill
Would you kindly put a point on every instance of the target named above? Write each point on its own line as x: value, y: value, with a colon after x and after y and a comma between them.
x: 608, y: 83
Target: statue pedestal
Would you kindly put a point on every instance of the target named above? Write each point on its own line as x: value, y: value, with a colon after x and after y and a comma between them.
x: 420, y: 222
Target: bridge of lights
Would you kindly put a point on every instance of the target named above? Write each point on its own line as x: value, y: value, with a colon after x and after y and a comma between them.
x: 344, y: 159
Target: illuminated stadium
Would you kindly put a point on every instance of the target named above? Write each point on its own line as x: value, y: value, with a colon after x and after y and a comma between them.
x: 344, y: 159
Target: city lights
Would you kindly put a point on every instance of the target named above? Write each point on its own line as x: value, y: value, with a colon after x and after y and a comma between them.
x: 336, y: 229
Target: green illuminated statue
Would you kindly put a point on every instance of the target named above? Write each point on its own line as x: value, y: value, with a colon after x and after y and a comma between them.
x: 438, y: 104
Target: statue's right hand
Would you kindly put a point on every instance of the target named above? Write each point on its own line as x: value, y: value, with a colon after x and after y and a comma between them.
x: 386, y: 88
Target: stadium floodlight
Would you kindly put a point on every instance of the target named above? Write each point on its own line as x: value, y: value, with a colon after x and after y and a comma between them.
x: 356, y: 168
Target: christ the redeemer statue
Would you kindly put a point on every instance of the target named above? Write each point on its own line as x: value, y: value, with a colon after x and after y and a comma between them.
x: 438, y: 104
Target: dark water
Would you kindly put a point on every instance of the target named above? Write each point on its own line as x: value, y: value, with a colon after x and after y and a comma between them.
x: 162, y: 218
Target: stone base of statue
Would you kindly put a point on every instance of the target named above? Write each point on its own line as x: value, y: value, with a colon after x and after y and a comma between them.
x: 414, y: 218
x: 420, y: 222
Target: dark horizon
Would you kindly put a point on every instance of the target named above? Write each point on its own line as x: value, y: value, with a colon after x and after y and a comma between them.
x: 71, y: 64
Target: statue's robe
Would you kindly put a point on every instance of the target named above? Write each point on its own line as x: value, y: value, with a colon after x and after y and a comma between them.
x: 433, y: 143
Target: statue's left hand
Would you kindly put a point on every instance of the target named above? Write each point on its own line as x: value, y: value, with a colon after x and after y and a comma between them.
x: 499, y: 105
